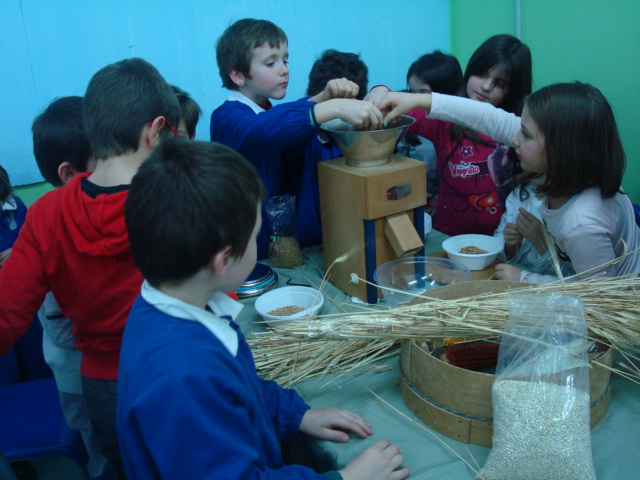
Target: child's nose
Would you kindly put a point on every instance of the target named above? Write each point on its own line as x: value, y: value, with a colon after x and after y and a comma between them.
x: 514, y: 140
x: 487, y: 84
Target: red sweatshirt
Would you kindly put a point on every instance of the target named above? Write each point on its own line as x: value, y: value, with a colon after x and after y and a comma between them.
x: 74, y: 243
x: 468, y: 201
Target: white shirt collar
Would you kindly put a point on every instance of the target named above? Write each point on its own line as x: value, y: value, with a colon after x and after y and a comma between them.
x: 236, y: 96
x: 9, y: 204
x: 219, y: 303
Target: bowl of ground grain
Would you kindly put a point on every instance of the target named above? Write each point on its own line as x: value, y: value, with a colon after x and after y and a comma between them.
x: 475, y: 251
x: 289, y: 304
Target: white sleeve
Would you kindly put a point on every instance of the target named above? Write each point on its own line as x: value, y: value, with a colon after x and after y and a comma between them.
x: 481, y: 117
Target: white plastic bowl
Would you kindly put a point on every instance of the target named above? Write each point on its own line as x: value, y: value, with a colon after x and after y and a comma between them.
x: 479, y: 261
x: 416, y: 275
x: 306, y: 297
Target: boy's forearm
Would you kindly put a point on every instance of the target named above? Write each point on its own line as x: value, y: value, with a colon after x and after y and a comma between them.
x: 326, y: 111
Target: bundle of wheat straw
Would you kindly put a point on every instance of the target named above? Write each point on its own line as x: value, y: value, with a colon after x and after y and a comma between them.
x: 611, y: 306
x: 289, y: 363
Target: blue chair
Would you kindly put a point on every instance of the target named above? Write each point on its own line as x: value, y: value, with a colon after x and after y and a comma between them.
x: 636, y: 211
x: 32, y: 424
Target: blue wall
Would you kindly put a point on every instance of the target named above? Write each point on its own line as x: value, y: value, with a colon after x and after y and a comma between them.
x: 51, y: 48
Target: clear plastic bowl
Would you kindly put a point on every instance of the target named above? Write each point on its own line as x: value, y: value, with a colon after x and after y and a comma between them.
x: 402, y: 279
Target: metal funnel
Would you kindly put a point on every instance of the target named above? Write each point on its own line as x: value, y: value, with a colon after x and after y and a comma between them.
x: 366, y: 148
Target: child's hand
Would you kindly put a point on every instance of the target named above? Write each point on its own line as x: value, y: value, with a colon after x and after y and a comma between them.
x: 531, y: 228
x: 512, y: 239
x: 395, y: 104
x: 361, y: 114
x: 381, y: 461
x: 507, y: 272
x: 376, y: 95
x: 333, y: 423
x: 355, y: 112
x: 339, y: 88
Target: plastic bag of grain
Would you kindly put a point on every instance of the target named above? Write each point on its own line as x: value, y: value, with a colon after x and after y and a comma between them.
x: 284, y: 250
x: 540, y: 397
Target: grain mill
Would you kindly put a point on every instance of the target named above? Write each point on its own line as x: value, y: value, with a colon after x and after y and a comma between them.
x: 372, y: 204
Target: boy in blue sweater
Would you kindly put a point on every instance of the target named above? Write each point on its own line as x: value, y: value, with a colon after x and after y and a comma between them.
x: 252, y: 58
x: 190, y: 403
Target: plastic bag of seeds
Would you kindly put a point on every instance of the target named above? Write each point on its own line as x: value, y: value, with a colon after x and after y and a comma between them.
x: 284, y: 250
x: 540, y: 397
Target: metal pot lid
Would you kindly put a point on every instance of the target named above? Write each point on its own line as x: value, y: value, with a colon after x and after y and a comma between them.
x: 260, y: 274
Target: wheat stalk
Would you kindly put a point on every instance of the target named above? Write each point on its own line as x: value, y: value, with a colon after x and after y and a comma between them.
x: 611, y: 307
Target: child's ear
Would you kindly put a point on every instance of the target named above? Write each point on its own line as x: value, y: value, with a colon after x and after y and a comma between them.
x: 238, y: 78
x: 220, y: 261
x: 152, y: 134
x: 66, y: 172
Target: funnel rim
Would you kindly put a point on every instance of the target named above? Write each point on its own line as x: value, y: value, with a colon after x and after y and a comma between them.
x: 406, y: 118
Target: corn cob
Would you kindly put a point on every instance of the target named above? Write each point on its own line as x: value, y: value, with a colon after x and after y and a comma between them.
x: 472, y: 356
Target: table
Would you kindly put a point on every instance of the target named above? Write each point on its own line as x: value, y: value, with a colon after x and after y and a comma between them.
x: 372, y: 392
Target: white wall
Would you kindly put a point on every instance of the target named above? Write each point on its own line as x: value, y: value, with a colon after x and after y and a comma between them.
x: 51, y: 48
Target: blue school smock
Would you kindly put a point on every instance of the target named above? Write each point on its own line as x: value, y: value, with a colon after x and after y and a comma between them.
x: 188, y: 407
x: 274, y: 141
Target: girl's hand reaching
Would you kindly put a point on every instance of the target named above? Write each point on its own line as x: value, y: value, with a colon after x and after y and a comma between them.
x: 333, y: 423
x: 395, y: 104
x: 376, y: 94
x: 381, y: 461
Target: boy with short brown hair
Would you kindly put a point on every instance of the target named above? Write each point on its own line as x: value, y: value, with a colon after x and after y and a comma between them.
x: 252, y: 58
x: 190, y: 402
x: 75, y: 243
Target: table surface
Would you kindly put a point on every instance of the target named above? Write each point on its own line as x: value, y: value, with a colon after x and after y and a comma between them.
x: 373, y: 393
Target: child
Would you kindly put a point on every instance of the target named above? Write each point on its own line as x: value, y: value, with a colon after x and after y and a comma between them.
x: 28, y: 347
x: 521, y: 228
x: 12, y: 215
x: 568, y: 133
x: 435, y: 72
x: 334, y: 64
x: 432, y: 72
x: 75, y: 242
x: 252, y: 58
x: 190, y: 113
x: 190, y: 403
x: 62, y: 150
x: 472, y: 189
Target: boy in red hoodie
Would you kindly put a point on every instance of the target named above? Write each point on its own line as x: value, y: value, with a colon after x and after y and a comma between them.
x: 75, y: 243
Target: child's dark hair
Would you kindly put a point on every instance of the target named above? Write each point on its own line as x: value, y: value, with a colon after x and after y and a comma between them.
x: 120, y: 99
x: 441, y: 71
x: 187, y: 202
x: 5, y: 185
x: 234, y: 48
x: 581, y: 139
x: 334, y: 64
x: 514, y: 60
x: 190, y: 111
x: 58, y: 137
